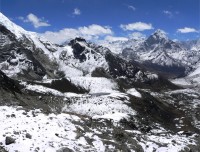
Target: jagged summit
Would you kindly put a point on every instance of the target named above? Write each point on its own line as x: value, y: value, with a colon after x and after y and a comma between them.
x: 158, y: 37
x: 160, y: 34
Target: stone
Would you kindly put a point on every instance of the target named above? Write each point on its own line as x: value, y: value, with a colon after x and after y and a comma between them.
x: 65, y: 149
x: 28, y: 135
x: 9, y: 140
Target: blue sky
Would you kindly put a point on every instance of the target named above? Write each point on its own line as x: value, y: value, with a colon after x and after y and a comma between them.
x: 106, y: 18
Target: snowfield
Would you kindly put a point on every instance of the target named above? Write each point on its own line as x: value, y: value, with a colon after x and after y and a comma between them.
x: 95, y: 85
x: 101, y: 100
x: 31, y: 130
x: 48, y: 133
x: 99, y: 105
x: 41, y: 89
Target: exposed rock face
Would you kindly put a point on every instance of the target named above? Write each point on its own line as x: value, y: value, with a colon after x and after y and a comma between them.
x: 119, y: 67
x: 17, y: 56
x: 78, y: 49
x: 22, y: 58
x: 8, y: 84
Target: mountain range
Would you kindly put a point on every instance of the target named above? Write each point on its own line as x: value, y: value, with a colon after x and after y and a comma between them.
x: 134, y: 95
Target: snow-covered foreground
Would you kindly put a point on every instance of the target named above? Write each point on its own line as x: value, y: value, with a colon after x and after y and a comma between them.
x: 88, y: 122
x: 34, y: 131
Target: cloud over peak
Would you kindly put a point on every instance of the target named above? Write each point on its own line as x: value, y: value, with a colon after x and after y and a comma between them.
x: 137, y: 35
x: 137, y: 26
x: 113, y: 38
x: 91, y: 32
x: 95, y: 29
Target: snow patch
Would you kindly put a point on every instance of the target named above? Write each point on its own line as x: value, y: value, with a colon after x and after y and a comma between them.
x: 95, y: 85
x: 114, y: 116
x: 134, y: 92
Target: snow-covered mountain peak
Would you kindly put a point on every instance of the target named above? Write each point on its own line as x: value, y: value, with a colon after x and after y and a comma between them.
x: 158, y: 38
x: 18, y: 31
x: 15, y: 29
x: 160, y: 34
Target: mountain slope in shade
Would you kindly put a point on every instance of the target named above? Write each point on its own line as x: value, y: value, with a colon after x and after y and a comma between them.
x: 8, y: 84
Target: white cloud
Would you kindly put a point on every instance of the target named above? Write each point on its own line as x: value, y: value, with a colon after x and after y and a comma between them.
x: 77, y: 11
x: 137, y: 26
x: 136, y: 35
x: 92, y: 32
x: 37, y: 22
x: 112, y: 38
x: 61, y: 36
x: 187, y: 30
x: 131, y: 7
x: 95, y: 30
x: 168, y: 13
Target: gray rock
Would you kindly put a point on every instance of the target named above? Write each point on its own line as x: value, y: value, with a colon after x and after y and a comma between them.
x: 64, y: 149
x: 28, y: 136
x: 2, y: 149
x: 9, y: 140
